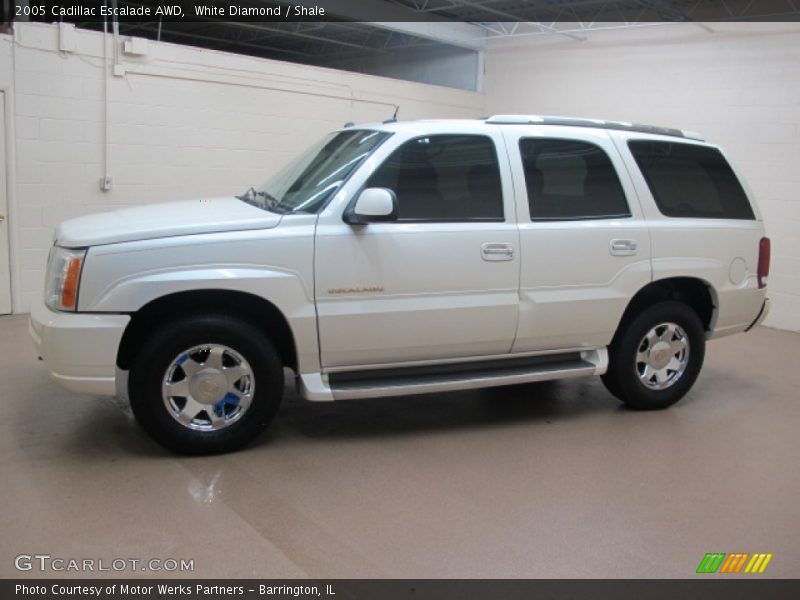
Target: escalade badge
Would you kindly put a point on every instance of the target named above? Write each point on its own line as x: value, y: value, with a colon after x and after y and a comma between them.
x: 360, y: 290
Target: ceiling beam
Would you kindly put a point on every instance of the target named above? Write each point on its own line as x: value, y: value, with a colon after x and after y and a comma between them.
x: 514, y: 19
x: 673, y: 13
x: 403, y: 20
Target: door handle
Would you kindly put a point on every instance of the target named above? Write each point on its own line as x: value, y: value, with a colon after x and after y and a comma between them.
x: 497, y: 251
x: 623, y: 247
x: 2, y: 218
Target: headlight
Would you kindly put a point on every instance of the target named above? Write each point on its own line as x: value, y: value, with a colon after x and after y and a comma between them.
x: 63, y: 277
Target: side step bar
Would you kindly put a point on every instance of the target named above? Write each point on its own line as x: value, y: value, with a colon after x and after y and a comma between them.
x: 402, y: 381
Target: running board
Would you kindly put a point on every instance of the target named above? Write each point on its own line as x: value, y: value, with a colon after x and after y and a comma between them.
x: 403, y: 381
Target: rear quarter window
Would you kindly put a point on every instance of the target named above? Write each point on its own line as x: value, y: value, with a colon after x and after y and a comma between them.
x: 692, y: 181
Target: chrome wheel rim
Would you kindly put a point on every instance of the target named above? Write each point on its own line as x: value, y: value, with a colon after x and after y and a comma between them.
x: 208, y: 387
x: 662, y: 356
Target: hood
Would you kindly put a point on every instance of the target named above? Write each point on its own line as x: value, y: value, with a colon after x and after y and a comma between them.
x: 164, y: 220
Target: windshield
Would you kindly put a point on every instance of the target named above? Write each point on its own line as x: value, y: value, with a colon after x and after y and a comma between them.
x: 308, y: 181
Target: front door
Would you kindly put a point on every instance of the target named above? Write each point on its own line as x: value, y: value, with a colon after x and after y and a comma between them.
x: 440, y: 282
x: 5, y: 265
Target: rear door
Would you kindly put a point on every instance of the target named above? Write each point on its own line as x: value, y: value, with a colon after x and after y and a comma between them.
x: 584, y: 242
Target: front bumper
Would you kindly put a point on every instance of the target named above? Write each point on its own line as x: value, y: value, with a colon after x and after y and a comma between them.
x: 79, y: 349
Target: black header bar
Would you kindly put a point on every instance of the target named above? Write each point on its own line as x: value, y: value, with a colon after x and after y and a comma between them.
x: 547, y: 13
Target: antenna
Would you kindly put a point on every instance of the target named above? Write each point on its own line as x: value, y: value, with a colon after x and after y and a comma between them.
x: 394, y: 116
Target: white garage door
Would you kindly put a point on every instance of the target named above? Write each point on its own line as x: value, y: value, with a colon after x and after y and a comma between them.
x: 5, y: 273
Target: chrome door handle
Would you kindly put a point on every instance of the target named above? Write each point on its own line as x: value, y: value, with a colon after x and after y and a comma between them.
x: 497, y: 251
x: 2, y: 218
x: 623, y: 247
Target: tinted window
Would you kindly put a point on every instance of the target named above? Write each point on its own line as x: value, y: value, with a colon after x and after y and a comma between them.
x: 444, y: 178
x: 687, y: 180
x: 567, y: 179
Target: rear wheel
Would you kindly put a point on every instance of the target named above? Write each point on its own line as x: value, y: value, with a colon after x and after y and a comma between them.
x: 206, y: 384
x: 657, y: 357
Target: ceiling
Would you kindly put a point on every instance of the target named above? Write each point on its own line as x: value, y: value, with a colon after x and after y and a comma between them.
x: 407, y: 26
x: 475, y: 20
x: 589, y: 11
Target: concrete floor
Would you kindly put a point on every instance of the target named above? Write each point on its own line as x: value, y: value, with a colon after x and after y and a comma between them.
x: 545, y: 480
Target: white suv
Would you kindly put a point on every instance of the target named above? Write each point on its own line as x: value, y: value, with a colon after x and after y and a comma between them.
x: 405, y: 258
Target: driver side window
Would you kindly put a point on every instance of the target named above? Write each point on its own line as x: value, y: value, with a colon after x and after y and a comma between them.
x: 444, y: 178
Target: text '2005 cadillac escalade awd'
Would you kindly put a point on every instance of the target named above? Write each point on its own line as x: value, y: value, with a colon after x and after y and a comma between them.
x: 405, y: 258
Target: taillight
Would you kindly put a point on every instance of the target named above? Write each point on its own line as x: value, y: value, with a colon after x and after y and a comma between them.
x: 764, y: 250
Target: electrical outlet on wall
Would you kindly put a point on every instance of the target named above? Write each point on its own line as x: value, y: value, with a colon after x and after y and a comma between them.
x: 106, y: 183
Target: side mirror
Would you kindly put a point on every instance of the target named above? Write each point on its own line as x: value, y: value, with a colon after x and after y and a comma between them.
x: 373, y: 205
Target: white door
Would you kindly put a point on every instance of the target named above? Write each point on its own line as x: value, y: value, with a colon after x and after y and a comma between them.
x: 5, y: 264
x: 584, y: 241
x: 441, y: 281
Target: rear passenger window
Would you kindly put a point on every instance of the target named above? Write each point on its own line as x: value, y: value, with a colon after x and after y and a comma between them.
x: 569, y: 180
x: 688, y: 180
x: 444, y: 178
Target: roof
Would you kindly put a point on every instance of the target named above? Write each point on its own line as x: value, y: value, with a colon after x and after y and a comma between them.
x: 392, y: 125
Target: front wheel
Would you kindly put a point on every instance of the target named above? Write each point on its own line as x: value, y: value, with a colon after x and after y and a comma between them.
x: 656, y: 359
x: 206, y: 384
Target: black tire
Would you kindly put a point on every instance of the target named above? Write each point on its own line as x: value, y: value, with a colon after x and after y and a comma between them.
x: 623, y: 376
x: 159, y: 352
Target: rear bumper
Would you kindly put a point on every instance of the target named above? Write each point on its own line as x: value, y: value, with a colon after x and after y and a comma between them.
x: 761, y: 315
x: 79, y: 349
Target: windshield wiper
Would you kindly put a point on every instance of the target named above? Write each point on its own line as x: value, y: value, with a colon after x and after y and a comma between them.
x: 269, y: 202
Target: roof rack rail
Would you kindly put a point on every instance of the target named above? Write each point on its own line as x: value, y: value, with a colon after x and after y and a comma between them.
x: 597, y: 123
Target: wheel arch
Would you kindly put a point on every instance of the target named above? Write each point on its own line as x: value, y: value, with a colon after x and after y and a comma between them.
x: 696, y: 293
x: 258, y: 311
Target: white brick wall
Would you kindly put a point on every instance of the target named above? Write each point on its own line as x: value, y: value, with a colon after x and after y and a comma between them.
x: 184, y: 123
x: 739, y: 87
